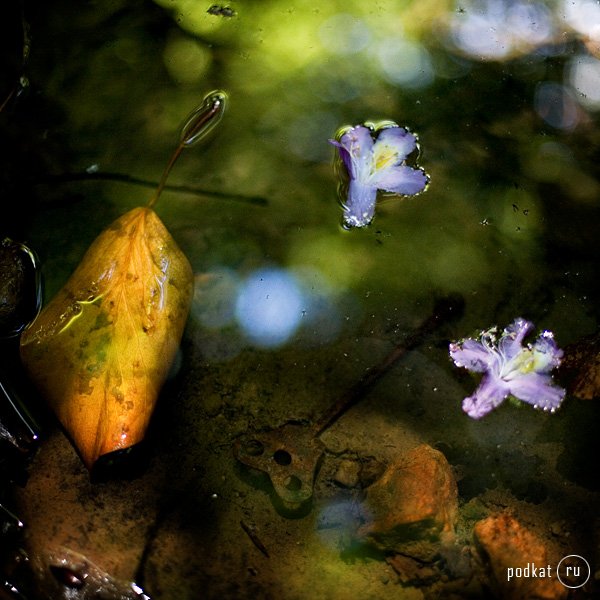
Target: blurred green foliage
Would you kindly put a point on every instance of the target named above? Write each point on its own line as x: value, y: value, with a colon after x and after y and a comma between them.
x: 506, y: 220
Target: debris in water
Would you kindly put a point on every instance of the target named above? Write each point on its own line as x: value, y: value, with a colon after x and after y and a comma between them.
x: 221, y: 11
x: 254, y: 538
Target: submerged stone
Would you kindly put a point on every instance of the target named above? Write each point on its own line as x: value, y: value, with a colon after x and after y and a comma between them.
x: 413, y: 572
x: 347, y: 474
x: 20, y: 287
x: 413, y: 505
x: 516, y: 560
x: 580, y: 369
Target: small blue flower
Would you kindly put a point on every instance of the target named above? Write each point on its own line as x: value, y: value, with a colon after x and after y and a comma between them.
x: 510, y: 368
x: 376, y: 164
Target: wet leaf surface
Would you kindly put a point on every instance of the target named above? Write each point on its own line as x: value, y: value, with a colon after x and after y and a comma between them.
x: 101, y: 350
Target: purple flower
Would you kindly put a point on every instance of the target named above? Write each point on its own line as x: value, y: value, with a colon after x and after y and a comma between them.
x: 376, y: 164
x: 510, y: 368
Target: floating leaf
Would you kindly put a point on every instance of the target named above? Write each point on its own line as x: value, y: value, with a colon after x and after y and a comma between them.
x: 101, y: 350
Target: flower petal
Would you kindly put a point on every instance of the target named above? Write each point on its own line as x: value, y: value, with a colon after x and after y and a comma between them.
x: 400, y: 180
x: 470, y: 354
x: 358, y: 137
x: 537, y: 389
x: 401, y: 140
x: 358, y: 143
x: 490, y: 394
x: 547, y: 355
x: 511, y: 341
x: 360, y: 206
x: 344, y: 155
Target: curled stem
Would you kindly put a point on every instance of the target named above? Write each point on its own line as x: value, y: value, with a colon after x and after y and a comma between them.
x: 197, y: 125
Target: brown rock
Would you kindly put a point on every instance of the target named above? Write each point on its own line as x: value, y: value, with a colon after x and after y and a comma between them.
x: 506, y: 546
x: 347, y: 474
x: 580, y: 368
x: 78, y: 530
x: 413, y: 505
x: 370, y: 470
x: 412, y: 572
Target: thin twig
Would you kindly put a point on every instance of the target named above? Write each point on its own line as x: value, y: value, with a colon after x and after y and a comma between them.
x: 254, y: 538
x: 124, y: 178
x: 446, y: 308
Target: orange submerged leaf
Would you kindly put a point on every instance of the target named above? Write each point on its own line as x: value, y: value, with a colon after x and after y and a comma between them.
x: 101, y: 350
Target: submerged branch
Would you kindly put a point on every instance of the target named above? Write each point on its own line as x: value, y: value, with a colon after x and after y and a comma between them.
x: 124, y: 178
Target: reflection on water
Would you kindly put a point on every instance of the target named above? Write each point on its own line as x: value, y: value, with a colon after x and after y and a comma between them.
x: 289, y: 309
x: 495, y: 29
x: 556, y: 104
x: 269, y: 306
x: 584, y: 76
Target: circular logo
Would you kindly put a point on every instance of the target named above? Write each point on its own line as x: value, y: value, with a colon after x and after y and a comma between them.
x: 573, y: 571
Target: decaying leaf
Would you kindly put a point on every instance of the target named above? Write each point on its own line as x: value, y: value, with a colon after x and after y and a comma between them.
x: 101, y: 350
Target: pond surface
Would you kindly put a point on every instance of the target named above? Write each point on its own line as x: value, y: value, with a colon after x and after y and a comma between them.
x: 290, y: 309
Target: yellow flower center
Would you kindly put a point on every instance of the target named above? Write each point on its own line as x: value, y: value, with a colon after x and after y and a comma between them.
x: 384, y: 156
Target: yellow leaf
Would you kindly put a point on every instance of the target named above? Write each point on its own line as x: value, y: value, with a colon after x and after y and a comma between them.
x: 101, y: 350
